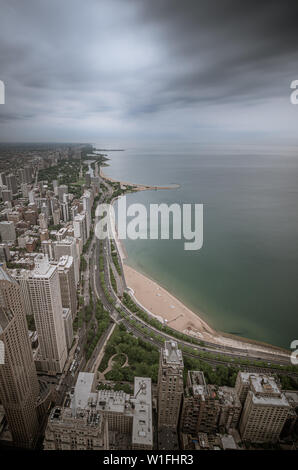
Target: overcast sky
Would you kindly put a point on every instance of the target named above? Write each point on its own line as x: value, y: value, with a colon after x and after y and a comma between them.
x: 137, y: 70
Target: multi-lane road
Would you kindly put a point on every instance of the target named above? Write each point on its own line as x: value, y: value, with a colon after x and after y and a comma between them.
x: 233, y: 353
x: 98, y: 248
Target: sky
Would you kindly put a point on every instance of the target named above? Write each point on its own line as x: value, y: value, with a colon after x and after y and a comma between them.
x: 148, y: 70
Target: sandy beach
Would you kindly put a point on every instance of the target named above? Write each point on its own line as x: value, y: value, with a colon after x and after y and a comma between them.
x: 169, y: 310
x: 136, y: 187
x: 164, y: 306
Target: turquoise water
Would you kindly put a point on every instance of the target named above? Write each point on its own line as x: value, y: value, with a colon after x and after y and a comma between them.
x: 244, y: 280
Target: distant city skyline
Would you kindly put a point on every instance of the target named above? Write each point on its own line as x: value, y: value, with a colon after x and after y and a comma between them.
x: 133, y: 71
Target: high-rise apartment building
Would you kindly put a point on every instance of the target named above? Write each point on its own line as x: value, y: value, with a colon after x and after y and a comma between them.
x: 68, y: 246
x: 87, y: 205
x: 68, y: 328
x: 67, y: 284
x: 7, y: 195
x: 11, y: 182
x: 62, y: 189
x: 201, y: 409
x: 2, y: 179
x: 4, y: 253
x: 44, y: 290
x: 7, y: 231
x: 265, y: 410
x: 170, y: 385
x: 19, y: 387
x: 80, y: 227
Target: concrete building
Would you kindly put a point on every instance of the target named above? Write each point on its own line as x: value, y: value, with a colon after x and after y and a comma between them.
x: 170, y: 385
x: 43, y: 221
x: 25, y: 190
x: 28, y: 173
x: 7, y: 195
x: 62, y: 233
x: 2, y: 179
x: 30, y: 216
x: 62, y: 189
x: 11, y: 183
x: 68, y: 246
x: 84, y: 430
x: 67, y: 320
x: 7, y: 231
x: 44, y: 235
x: 14, y: 216
x: 201, y: 408
x: 87, y: 199
x: 265, y: 409
x: 230, y: 408
x: 80, y: 227
x: 4, y: 253
x: 56, y: 216
x: 44, y: 289
x: 65, y: 210
x: 19, y: 387
x: 67, y: 284
x: 122, y: 415
x: 142, y: 432
x: 55, y: 187
x: 291, y: 424
x: 47, y: 248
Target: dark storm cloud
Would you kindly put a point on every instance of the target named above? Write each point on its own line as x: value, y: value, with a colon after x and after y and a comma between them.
x: 139, y: 67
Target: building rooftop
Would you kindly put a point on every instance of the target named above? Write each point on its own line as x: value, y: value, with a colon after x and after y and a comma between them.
x: 142, y: 421
x: 171, y: 354
x: 264, y: 385
x: 264, y: 389
x: 228, y: 442
x: 196, y: 381
x: 64, y: 416
x: 4, y: 275
x: 82, y: 390
x: 292, y: 397
x: 228, y: 396
x: 116, y: 402
x: 138, y: 406
x: 65, y: 261
x: 42, y: 267
x: 270, y: 401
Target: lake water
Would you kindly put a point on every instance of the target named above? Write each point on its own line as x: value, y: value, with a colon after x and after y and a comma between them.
x: 244, y: 280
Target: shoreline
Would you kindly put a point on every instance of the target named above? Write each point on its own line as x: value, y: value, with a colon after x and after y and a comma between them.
x: 164, y: 306
x: 150, y: 295
x: 137, y: 186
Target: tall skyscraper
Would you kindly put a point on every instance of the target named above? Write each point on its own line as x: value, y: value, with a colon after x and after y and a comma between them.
x: 80, y: 227
x: 170, y: 385
x: 62, y: 189
x: 44, y: 289
x: 87, y: 205
x: 18, y: 380
x: 67, y: 284
x: 11, y: 182
x: 68, y: 246
x: 7, y: 231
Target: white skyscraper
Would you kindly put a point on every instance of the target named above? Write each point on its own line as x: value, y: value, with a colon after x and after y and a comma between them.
x: 44, y: 289
x: 68, y: 246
